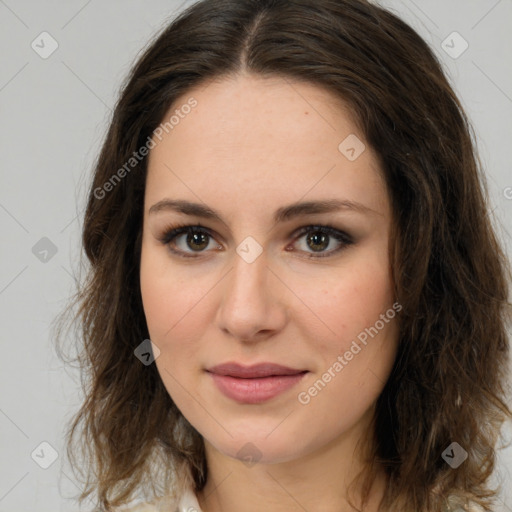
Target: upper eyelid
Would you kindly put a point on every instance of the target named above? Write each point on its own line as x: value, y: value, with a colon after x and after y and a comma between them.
x: 296, y: 232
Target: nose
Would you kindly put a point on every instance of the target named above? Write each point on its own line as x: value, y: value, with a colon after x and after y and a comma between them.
x: 252, y: 306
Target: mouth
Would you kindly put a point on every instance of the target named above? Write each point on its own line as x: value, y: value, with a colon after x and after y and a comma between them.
x: 254, y: 384
x: 254, y: 371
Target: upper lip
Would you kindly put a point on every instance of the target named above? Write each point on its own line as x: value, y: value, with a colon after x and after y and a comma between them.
x: 254, y: 371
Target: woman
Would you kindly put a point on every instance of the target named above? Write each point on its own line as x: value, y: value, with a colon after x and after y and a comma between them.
x: 296, y: 300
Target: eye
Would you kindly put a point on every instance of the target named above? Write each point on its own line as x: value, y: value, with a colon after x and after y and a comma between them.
x: 198, y: 239
x: 319, y: 238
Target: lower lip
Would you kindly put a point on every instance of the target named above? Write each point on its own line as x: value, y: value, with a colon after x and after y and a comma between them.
x: 255, y: 391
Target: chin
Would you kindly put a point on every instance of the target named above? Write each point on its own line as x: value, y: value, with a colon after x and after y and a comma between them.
x: 257, y: 446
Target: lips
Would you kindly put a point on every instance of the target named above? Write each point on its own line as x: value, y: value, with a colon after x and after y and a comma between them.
x: 254, y: 384
x: 254, y: 371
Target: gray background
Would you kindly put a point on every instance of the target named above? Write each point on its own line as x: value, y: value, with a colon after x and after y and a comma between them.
x: 53, y: 114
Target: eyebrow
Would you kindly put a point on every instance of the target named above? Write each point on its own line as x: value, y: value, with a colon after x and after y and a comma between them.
x: 283, y: 214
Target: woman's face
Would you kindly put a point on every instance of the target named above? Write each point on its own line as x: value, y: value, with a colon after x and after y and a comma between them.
x: 252, y: 285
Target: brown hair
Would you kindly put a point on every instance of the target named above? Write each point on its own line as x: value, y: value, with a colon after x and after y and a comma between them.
x: 450, y: 274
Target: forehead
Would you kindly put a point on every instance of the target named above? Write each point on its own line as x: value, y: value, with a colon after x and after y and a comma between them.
x: 262, y: 140
x: 249, y: 111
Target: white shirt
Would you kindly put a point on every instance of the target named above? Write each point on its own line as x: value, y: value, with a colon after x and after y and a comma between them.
x: 188, y: 502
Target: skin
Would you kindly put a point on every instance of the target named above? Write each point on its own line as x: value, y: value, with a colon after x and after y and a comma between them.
x: 249, y: 147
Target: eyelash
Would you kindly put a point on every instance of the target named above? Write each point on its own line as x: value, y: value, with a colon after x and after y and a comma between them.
x: 172, y: 232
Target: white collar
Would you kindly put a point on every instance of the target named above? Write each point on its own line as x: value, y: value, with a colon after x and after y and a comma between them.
x: 188, y: 502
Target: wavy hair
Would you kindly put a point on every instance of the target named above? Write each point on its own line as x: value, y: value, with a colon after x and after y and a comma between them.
x: 450, y: 274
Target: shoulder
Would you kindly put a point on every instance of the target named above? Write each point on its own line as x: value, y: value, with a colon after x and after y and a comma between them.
x: 456, y: 505
x: 162, y: 504
x: 141, y: 507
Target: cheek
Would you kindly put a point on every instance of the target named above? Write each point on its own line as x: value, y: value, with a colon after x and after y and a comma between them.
x: 170, y: 305
x: 175, y: 317
x: 168, y: 297
x: 346, y: 304
x: 354, y: 364
x: 179, y: 305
